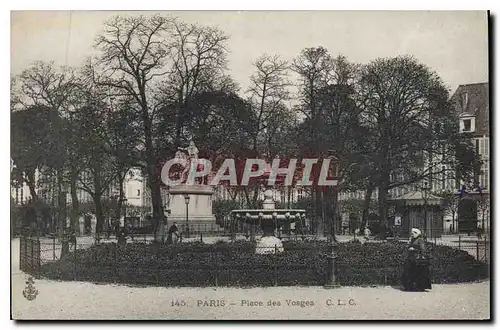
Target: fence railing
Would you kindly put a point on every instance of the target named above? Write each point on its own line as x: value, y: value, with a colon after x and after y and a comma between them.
x: 209, y: 266
x: 29, y: 255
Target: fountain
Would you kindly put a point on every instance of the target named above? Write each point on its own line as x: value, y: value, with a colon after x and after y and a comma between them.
x: 269, y: 218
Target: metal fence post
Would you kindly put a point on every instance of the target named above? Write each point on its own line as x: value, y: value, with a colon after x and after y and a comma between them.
x: 275, y: 265
x: 21, y: 253
x: 214, y: 256
x: 477, y: 250
x: 24, y: 255
x: 39, y: 257
x: 486, y: 250
x: 32, y: 261
x: 115, y: 266
x: 54, y: 248
x: 74, y: 260
x: 459, y: 242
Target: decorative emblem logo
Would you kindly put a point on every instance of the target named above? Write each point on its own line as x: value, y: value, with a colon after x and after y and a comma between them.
x: 30, y: 292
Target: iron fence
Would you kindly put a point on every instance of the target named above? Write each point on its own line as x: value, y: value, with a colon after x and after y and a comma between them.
x: 217, y: 264
x: 29, y: 255
x: 478, y: 247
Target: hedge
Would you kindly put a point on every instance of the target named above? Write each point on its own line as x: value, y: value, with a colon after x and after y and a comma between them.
x: 235, y: 264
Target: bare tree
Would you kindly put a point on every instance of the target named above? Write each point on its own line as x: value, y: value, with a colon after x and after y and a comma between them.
x: 133, y: 53
x: 451, y: 201
x: 156, y: 61
x: 314, y: 67
x: 199, y: 58
x: 268, y: 90
x: 44, y: 85
x: 267, y: 93
x: 94, y: 121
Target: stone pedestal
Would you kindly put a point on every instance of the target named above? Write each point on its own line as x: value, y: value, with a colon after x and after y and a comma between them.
x: 198, y: 212
x: 268, y: 203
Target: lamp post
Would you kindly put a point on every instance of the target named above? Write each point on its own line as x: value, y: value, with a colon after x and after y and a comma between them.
x: 124, y: 203
x: 186, y: 200
x: 331, y: 282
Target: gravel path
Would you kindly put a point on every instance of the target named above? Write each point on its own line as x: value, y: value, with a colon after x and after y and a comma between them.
x: 79, y: 300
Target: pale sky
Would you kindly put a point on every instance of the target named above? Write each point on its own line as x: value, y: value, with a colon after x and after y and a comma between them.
x: 453, y: 43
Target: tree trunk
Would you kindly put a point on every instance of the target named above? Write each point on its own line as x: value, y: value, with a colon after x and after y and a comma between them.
x: 366, y: 206
x: 178, y: 121
x: 256, y: 195
x: 156, y: 200
x: 75, y: 205
x: 154, y: 179
x: 61, y: 205
x: 247, y: 196
x: 119, y: 203
x: 31, y: 185
x: 98, y: 214
x: 318, y: 208
x: 332, y: 209
x: 383, y: 195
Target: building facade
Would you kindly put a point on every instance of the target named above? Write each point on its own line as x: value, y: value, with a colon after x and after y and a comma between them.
x: 472, y: 105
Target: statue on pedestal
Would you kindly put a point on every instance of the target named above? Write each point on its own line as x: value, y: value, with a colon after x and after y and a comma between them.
x: 191, y: 156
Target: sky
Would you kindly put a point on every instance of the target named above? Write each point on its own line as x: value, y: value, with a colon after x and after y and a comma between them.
x: 453, y: 43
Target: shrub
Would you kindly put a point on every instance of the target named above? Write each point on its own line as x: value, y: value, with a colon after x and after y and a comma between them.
x: 235, y: 264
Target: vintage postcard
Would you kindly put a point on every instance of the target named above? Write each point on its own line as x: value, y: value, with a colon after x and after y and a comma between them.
x: 250, y: 165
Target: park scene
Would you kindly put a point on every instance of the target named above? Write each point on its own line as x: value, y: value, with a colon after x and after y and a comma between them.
x: 151, y: 166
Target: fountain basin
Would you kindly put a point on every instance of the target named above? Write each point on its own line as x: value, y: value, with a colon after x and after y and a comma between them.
x: 269, y: 220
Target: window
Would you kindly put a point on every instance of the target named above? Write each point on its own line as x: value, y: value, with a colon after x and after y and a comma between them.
x: 467, y: 125
x: 300, y: 194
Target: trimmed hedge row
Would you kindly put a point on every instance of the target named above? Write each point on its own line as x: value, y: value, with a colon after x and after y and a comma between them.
x: 235, y: 264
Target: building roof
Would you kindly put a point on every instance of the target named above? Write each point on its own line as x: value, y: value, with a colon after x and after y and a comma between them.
x: 473, y: 99
x: 417, y: 198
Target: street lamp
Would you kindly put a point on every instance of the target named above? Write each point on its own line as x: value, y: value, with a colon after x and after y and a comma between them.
x: 186, y: 200
x: 331, y: 282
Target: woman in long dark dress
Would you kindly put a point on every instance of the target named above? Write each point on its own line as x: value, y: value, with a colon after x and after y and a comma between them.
x: 416, y: 274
